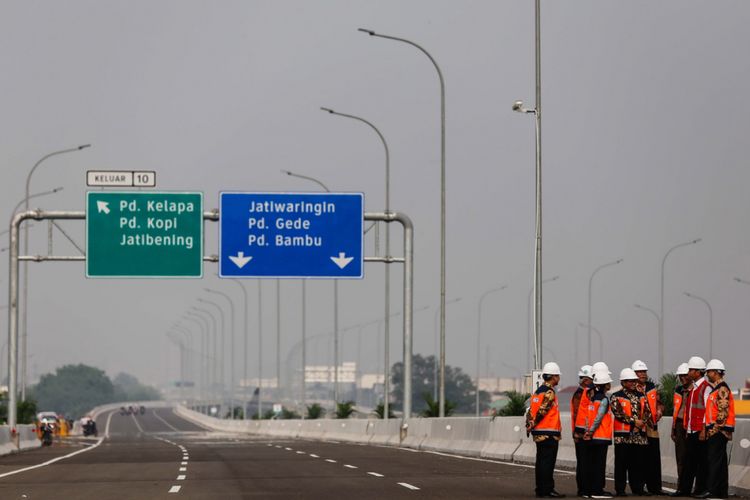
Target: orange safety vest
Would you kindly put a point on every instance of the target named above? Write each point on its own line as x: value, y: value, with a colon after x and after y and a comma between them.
x: 603, y: 433
x: 622, y: 428
x: 582, y: 417
x: 550, y: 424
x: 676, y: 404
x: 651, y: 398
x: 712, y: 410
x: 575, y: 410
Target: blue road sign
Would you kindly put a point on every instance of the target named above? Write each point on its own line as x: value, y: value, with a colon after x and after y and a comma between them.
x: 291, y: 235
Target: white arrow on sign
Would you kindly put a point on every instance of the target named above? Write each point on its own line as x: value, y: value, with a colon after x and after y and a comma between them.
x: 102, y: 206
x: 342, y: 260
x: 240, y: 260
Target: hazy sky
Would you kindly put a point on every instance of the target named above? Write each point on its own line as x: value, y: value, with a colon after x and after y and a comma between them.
x: 644, y: 146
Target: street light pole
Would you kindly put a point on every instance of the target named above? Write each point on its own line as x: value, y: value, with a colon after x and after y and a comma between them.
x: 335, y: 303
x: 222, y: 348
x: 528, y: 321
x: 387, y: 311
x: 244, y: 349
x: 654, y: 313
x: 231, y: 348
x: 710, y: 323
x: 442, y: 205
x: 661, y: 313
x: 591, y: 280
x: 436, y: 370
x: 216, y: 362
x: 479, y: 336
x: 25, y: 301
x: 601, y: 340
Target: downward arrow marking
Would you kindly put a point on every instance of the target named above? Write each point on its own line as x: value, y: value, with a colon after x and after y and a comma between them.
x: 342, y: 260
x: 240, y: 260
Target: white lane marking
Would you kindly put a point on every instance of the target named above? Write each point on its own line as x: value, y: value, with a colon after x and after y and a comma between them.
x: 183, y: 469
x: 407, y: 485
x: 183, y: 463
x: 165, y: 422
x: 300, y: 453
x: 350, y: 466
x: 277, y: 446
x: 500, y: 462
x: 288, y: 449
x: 136, y: 423
x: 175, y: 489
x: 314, y: 456
x: 181, y: 477
x: 49, y: 462
x: 331, y: 461
x: 375, y: 474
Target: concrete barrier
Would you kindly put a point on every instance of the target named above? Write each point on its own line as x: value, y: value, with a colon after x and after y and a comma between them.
x: 6, y: 445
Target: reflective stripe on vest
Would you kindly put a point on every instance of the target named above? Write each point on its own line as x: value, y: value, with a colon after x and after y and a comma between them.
x: 712, y: 410
x: 603, y: 433
x: 550, y: 424
x: 695, y: 410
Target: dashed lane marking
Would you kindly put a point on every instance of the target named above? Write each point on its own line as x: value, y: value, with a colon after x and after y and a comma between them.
x: 300, y: 453
x: 331, y: 461
x: 375, y: 474
x: 181, y: 477
x: 183, y: 463
x: 409, y: 486
x: 183, y: 469
x: 314, y: 456
x: 351, y: 466
x: 288, y: 449
x: 175, y: 489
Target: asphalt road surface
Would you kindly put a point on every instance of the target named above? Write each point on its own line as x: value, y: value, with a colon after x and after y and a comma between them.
x: 160, y: 455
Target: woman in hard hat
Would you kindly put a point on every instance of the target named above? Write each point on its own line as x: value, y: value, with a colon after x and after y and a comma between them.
x: 598, y: 437
x: 720, y: 421
x: 630, y: 413
x: 543, y: 423
x: 679, y: 433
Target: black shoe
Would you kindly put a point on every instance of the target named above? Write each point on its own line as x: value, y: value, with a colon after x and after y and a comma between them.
x: 620, y: 494
x: 680, y: 494
x: 551, y: 494
x: 643, y: 494
x: 705, y: 494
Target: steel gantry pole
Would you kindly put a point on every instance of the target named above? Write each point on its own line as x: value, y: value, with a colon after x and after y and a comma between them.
x: 661, y: 312
x: 710, y: 323
x: 245, y: 347
x: 260, y: 349
x: 442, y: 204
x: 479, y: 336
x: 591, y: 280
x: 387, y: 309
x: 528, y: 321
x: 24, y: 327
x: 231, y: 347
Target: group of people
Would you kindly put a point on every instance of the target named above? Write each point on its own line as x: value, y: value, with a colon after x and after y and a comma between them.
x: 702, y: 424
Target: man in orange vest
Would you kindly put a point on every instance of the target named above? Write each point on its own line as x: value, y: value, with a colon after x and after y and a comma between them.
x: 598, y: 437
x: 653, y: 459
x: 720, y: 421
x: 630, y: 413
x: 543, y: 423
x: 580, y: 401
x: 679, y: 434
x: 694, y: 465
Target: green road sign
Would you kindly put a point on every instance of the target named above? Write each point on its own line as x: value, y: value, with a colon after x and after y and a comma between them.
x: 131, y: 234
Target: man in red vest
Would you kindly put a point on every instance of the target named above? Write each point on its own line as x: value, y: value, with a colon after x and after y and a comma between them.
x: 543, y: 423
x: 695, y: 464
x: 720, y: 421
x: 653, y: 459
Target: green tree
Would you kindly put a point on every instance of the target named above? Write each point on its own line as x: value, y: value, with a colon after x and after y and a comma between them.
x: 345, y: 409
x: 516, y: 405
x: 668, y: 383
x: 73, y: 390
x: 433, y: 407
x: 459, y: 388
x: 128, y: 388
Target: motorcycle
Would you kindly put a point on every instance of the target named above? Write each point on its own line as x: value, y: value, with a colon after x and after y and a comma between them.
x: 47, y: 433
x: 89, y: 428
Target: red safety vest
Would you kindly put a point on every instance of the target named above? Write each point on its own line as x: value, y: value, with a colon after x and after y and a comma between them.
x: 695, y: 411
x: 712, y: 410
x: 603, y: 433
x: 550, y: 424
x: 622, y: 428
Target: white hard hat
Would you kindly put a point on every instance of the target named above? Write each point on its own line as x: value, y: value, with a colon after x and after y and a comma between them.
x: 715, y: 364
x: 628, y: 374
x: 586, y: 371
x: 682, y: 369
x: 600, y: 366
x: 696, y: 363
x: 639, y: 366
x: 601, y: 378
x: 551, y: 368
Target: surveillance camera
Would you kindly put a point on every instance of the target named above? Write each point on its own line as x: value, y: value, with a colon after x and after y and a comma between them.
x: 517, y: 105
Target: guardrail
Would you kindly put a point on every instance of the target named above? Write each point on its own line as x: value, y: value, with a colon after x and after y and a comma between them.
x: 503, y: 438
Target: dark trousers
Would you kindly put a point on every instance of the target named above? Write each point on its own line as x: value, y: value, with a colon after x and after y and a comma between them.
x: 653, y: 466
x: 580, y: 457
x: 630, y: 462
x: 680, y: 446
x: 695, y: 466
x: 717, y: 477
x: 594, y: 467
x: 546, y: 457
